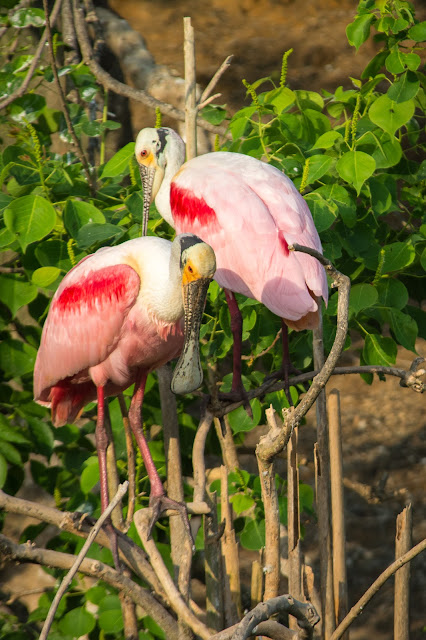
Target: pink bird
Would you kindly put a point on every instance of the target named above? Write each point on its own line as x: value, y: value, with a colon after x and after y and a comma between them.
x: 249, y: 212
x: 117, y: 316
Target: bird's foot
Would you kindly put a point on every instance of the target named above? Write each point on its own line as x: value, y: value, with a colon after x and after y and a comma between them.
x: 161, y: 503
x: 239, y: 394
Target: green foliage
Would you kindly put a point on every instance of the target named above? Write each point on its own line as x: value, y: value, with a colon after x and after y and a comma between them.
x: 356, y: 156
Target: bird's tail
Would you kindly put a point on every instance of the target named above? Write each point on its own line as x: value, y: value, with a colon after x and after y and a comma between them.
x: 66, y: 400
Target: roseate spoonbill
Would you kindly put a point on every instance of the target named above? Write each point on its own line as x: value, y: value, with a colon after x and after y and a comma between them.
x: 116, y: 316
x: 249, y: 212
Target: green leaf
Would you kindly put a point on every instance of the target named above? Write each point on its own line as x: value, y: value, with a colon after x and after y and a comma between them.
x: 361, y: 297
x: 327, y: 140
x: 11, y: 433
x: 404, y: 328
x: 111, y: 621
x: 6, y: 238
x: 405, y: 88
x: 54, y: 253
x: 397, y: 256
x: 379, y: 350
x: 16, y: 291
x: 381, y: 198
x: 30, y: 218
x: 281, y: 98
x: 387, y: 151
x: 11, y: 453
x: 355, y: 167
x: 344, y: 201
x: 240, y: 122
x: 27, y: 17
x: 418, y: 32
x: 213, y: 114
x: 3, y: 470
x: 309, y: 100
x: 119, y: 163
x: 78, y: 213
x: 77, y: 622
x: 240, y: 421
x: 42, y: 436
x: 318, y: 166
x: 423, y: 259
x: 390, y: 115
x: 323, y: 212
x: 253, y: 535
x: 17, y: 358
x: 45, y: 276
x: 357, y: 32
x: 27, y: 108
x: 395, y: 62
x: 241, y: 502
x: 392, y: 293
x: 94, y: 233
x: 90, y: 475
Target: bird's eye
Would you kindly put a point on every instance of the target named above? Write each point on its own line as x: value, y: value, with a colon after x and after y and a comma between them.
x: 191, y: 270
x: 143, y: 153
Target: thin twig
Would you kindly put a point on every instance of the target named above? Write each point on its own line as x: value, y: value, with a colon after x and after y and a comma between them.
x: 37, y: 55
x: 265, y: 351
x: 374, y: 588
x: 76, y: 142
x: 71, y: 573
x: 213, y: 82
x: 403, y: 542
x: 98, y: 570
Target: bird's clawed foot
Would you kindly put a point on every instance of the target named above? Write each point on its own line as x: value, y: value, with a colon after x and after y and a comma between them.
x: 237, y: 394
x: 159, y: 504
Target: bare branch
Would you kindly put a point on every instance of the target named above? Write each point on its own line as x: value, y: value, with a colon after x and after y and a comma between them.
x: 80, y: 525
x: 303, y: 611
x: 374, y: 588
x: 184, y: 613
x: 29, y: 553
x: 37, y: 55
x: 79, y: 559
x: 107, y: 81
x: 403, y: 542
x: 190, y: 89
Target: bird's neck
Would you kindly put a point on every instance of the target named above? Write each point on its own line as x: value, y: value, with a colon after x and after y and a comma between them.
x: 166, y: 301
x: 175, y: 159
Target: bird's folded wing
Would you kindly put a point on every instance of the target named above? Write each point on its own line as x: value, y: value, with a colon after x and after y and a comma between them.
x: 84, y: 322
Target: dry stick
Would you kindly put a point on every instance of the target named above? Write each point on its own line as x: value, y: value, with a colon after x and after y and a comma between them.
x: 112, y: 473
x: 231, y: 573
x: 199, y: 465
x: 181, y: 545
x: 190, y: 90
x: 402, y: 578
x: 98, y: 570
x: 323, y: 497
x: 410, y: 378
x: 303, y: 611
x: 227, y: 444
x: 293, y: 527
x: 272, y: 516
x: 256, y: 586
x: 107, y: 81
x: 71, y: 573
x: 358, y: 608
x: 33, y: 66
x: 205, y: 96
x: 131, y: 462
x: 338, y: 507
x: 78, y: 524
x: 176, y: 600
x: 213, y: 568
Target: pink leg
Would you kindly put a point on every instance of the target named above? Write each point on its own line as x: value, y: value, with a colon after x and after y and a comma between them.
x: 237, y: 333
x: 158, y: 500
x: 102, y: 442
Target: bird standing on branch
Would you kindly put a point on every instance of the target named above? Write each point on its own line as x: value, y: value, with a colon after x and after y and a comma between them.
x: 116, y: 316
x: 249, y: 212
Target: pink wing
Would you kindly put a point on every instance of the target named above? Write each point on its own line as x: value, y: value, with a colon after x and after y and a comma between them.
x: 249, y: 212
x: 84, y: 322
